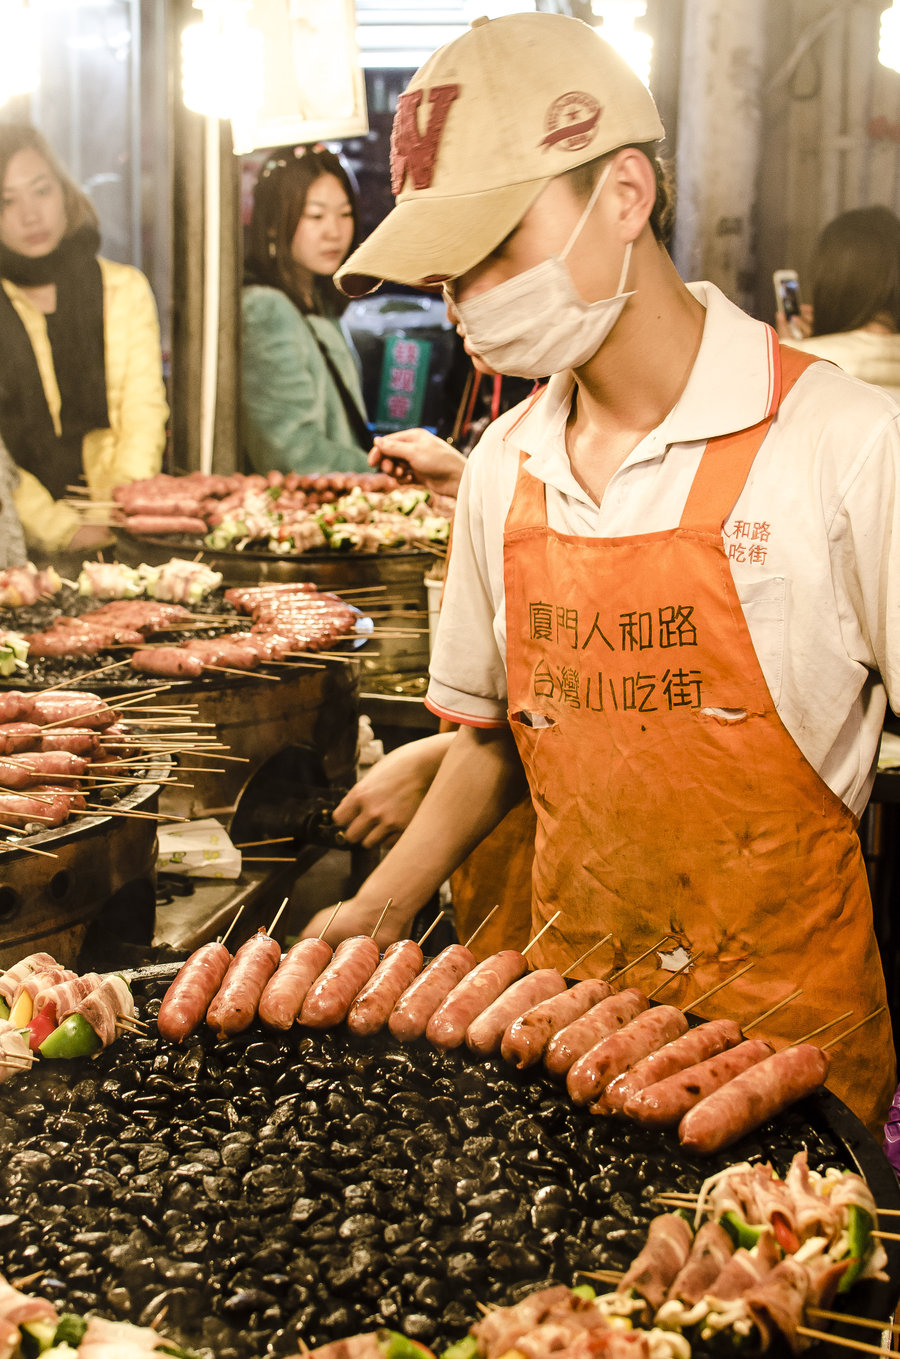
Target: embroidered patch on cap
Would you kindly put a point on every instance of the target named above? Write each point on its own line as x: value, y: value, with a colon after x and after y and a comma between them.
x: 413, y: 152
x: 571, y: 121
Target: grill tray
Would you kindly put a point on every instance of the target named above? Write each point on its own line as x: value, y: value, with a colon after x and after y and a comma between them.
x: 266, y: 1190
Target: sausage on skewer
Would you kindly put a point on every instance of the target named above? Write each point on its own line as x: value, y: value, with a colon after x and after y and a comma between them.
x: 661, y: 1105
x: 401, y: 964
x: 600, y: 1021
x: 753, y: 1096
x: 485, y: 1033
x: 331, y: 996
x: 409, y: 1017
x: 474, y: 993
x: 694, y: 1046
x: 286, y: 991
x: 191, y: 993
x: 592, y: 1073
x: 234, y: 1005
x: 527, y: 1037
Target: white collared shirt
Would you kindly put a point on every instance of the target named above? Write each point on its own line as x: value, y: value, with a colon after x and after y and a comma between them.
x: 813, y: 541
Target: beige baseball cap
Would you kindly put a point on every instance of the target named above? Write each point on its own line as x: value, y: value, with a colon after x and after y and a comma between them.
x: 481, y: 129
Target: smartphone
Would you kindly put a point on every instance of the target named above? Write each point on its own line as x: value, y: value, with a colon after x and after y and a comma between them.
x: 787, y: 295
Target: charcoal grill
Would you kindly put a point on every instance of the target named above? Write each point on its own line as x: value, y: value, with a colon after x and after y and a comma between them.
x: 263, y: 1191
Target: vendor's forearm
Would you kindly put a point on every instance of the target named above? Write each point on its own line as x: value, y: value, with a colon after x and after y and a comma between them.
x: 479, y: 781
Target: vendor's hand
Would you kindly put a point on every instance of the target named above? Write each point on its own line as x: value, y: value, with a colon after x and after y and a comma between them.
x: 800, y: 328
x: 89, y: 537
x: 356, y: 917
x: 379, y: 808
x: 416, y: 455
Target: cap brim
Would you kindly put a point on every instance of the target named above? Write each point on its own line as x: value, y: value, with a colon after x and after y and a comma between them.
x: 424, y: 240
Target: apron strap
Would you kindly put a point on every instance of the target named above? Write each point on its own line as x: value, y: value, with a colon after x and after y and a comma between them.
x: 726, y: 461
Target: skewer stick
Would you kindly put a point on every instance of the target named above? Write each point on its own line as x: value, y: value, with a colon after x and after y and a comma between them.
x: 852, y: 1029
x: 330, y: 920
x: 281, y: 840
x: 118, y: 811
x: 234, y: 921
x: 278, y: 915
x: 780, y: 1006
x: 887, y: 1236
x: 822, y: 1027
x: 80, y: 679
x: 434, y: 924
x: 851, y: 1320
x: 634, y: 962
x: 593, y: 949
x: 712, y: 991
x: 271, y: 859
x: 29, y: 849
x: 378, y: 922
x: 478, y: 930
x: 672, y: 975
x: 248, y: 674
x: 553, y: 917
x: 844, y: 1342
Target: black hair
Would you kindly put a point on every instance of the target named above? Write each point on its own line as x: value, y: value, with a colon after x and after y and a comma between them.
x: 662, y: 219
x: 855, y: 274
x: 279, y: 199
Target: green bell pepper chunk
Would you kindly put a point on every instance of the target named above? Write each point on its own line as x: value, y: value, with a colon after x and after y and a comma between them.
x: 70, y: 1329
x: 73, y: 1038
x: 742, y: 1233
x: 467, y: 1348
x: 585, y: 1291
x: 4, y: 1009
x: 395, y: 1345
x: 859, y: 1232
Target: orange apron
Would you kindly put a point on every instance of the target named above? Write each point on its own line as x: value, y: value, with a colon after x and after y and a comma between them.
x: 497, y: 873
x: 670, y: 798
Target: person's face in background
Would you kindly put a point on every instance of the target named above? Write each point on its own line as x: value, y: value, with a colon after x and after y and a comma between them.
x: 325, y: 229
x: 32, y: 207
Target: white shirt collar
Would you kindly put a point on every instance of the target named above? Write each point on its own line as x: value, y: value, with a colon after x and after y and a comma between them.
x: 730, y: 388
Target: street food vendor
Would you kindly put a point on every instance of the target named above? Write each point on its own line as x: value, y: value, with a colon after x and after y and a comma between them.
x: 672, y: 598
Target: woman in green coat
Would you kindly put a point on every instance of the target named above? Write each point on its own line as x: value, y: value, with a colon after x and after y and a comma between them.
x: 301, y: 398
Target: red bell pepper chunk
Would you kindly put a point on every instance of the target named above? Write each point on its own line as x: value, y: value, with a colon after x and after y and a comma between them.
x: 42, y: 1025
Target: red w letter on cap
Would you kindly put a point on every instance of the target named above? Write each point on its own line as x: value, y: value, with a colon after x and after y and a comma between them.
x: 411, y: 152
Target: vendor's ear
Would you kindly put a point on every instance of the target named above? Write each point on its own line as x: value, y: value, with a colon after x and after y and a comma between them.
x: 634, y: 180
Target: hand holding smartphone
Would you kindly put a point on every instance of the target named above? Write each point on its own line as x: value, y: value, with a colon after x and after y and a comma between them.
x: 787, y: 298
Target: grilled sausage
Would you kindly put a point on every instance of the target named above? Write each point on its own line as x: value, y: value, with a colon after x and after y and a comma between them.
x: 474, y: 993
x: 287, y: 990
x: 81, y: 741
x: 600, y: 1021
x: 234, y: 1005
x: 191, y: 992
x: 661, y: 1105
x: 166, y: 660
x: 592, y: 1073
x: 753, y: 1096
x: 527, y: 1037
x: 14, y: 705
x: 24, y: 771
x: 329, y: 999
x: 409, y: 1017
x: 77, y: 710
x: 372, y: 1008
x: 17, y: 737
x: 485, y: 1033
x: 692, y: 1047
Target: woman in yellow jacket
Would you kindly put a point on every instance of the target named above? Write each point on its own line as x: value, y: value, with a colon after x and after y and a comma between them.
x: 81, y: 387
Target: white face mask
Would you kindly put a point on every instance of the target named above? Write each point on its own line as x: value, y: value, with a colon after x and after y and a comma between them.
x: 535, y: 324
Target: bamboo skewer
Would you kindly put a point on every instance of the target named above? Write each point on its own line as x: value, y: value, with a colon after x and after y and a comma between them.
x: 822, y: 1027
x: 844, y: 1341
x: 278, y: 914
x: 593, y: 948
x: 379, y: 921
x: 852, y: 1029
x: 28, y: 849
x: 775, y: 1008
x: 544, y: 930
x: 479, y: 928
x: 690, y: 963
x: 634, y: 962
x: 234, y: 920
x: 698, y: 1000
x: 329, y: 922
x: 433, y: 926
